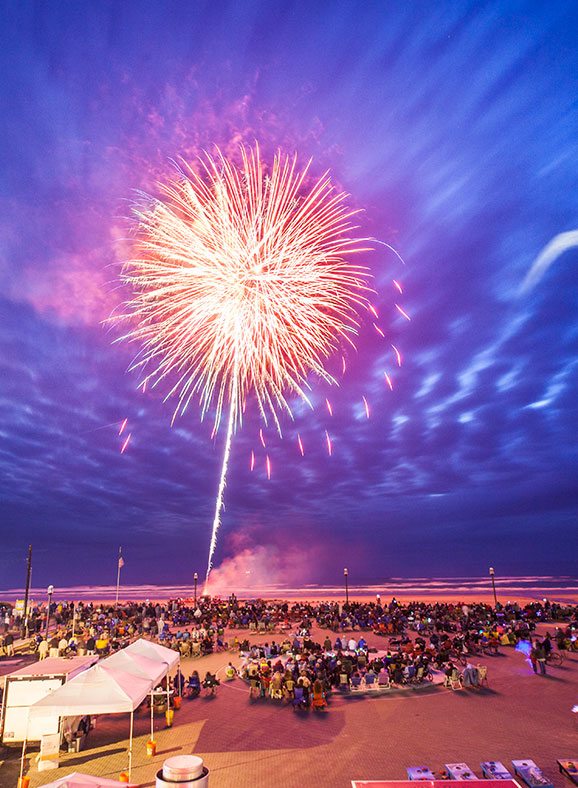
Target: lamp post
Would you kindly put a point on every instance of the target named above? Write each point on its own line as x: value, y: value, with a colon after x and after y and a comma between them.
x: 49, y: 591
x: 346, y: 576
x: 196, y: 579
x: 492, y: 573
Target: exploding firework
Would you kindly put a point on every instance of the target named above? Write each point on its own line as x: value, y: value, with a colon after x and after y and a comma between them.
x: 242, y: 286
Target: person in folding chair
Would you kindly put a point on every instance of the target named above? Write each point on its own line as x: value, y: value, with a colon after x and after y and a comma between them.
x: 319, y: 702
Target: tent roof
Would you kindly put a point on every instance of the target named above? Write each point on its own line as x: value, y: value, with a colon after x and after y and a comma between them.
x: 78, y: 780
x: 55, y: 666
x: 96, y: 691
x: 153, y: 651
x: 136, y: 665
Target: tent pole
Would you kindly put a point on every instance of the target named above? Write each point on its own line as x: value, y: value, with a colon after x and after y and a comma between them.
x: 152, y: 715
x: 24, y: 745
x: 130, y: 744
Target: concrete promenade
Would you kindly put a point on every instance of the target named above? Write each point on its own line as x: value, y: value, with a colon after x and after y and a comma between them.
x: 264, y: 743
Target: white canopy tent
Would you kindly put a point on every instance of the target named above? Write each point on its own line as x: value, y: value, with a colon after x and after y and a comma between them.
x: 98, y: 690
x: 153, y: 651
x: 163, y: 654
x: 126, y: 661
x: 131, y: 662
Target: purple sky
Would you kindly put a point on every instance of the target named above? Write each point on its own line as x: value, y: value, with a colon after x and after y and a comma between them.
x: 455, y: 127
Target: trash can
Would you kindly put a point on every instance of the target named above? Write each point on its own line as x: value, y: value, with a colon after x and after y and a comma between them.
x: 183, y: 771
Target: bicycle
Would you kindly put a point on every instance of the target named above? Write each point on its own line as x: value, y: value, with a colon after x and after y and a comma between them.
x: 555, y: 658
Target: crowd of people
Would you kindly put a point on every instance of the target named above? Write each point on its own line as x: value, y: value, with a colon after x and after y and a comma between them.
x: 417, y: 637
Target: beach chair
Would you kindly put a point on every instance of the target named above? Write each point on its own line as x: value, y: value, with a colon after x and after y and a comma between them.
x: 482, y: 675
x: 495, y: 770
x: 454, y: 682
x: 460, y: 771
x: 531, y: 774
x: 370, y: 682
x: 383, y: 680
x: 356, y: 684
x: 299, y: 700
x: 319, y: 703
x: 418, y: 773
x: 569, y: 768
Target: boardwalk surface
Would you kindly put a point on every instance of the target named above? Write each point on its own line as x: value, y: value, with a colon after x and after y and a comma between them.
x: 263, y: 743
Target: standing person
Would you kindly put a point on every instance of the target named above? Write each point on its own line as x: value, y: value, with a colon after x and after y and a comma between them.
x: 9, y: 644
x: 541, y: 657
x: 534, y: 659
x: 43, y: 648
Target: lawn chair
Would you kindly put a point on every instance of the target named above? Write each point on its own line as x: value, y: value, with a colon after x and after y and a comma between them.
x: 319, y: 703
x: 454, y: 680
x: 383, y: 680
x: 356, y: 684
x: 370, y: 682
x: 482, y: 675
x: 299, y: 700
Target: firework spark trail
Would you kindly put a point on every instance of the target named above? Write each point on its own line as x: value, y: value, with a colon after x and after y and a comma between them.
x: 329, y: 444
x: 252, y: 463
x: 329, y: 407
x: 300, y: 443
x: 242, y: 285
x: 402, y: 312
x: 222, y: 482
x: 366, y: 406
x: 125, y: 444
x: 122, y: 426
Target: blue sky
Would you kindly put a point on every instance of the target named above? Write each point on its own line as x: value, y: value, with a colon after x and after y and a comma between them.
x: 454, y: 126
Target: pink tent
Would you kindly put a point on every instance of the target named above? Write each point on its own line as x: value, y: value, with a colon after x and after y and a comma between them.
x: 78, y: 780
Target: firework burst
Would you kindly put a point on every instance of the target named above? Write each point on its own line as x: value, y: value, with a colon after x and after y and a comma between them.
x: 242, y: 286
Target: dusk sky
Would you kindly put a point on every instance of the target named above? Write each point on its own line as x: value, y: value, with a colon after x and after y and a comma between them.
x: 454, y: 126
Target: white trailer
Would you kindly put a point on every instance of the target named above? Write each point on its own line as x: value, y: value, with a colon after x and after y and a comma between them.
x: 28, y: 685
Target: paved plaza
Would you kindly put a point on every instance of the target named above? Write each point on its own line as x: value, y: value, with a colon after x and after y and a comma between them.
x: 264, y: 743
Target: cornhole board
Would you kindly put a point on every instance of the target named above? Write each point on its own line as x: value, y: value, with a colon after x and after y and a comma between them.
x: 460, y: 771
x: 495, y: 770
x: 569, y: 767
x: 531, y: 774
x: 419, y: 773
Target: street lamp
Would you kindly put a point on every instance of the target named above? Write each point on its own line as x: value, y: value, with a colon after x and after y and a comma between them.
x: 49, y: 591
x: 492, y: 573
x: 196, y: 579
x: 346, y: 575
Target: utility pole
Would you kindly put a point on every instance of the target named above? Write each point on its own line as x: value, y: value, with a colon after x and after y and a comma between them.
x: 346, y: 576
x: 120, y: 566
x: 27, y: 592
x: 49, y: 591
x: 492, y: 573
x: 196, y: 579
